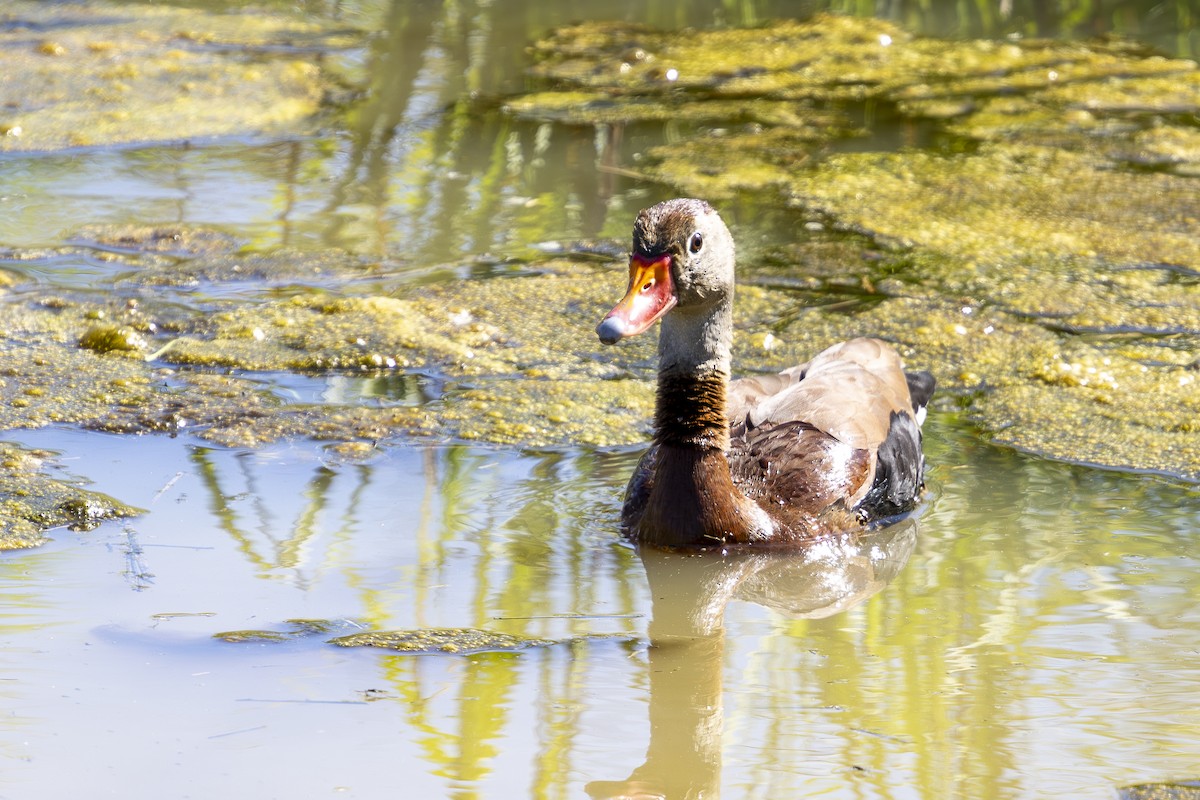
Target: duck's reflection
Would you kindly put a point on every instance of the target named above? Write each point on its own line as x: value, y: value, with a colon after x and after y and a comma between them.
x: 687, y: 637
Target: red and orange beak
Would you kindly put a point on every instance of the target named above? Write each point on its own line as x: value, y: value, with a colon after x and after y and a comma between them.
x: 649, y: 296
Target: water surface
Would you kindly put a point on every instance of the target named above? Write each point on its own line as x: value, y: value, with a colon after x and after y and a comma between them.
x: 1036, y: 637
x: 1034, y: 632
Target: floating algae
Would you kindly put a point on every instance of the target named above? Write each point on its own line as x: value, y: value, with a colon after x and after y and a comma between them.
x: 454, y: 641
x: 1100, y: 395
x: 457, y: 641
x: 202, y: 376
x: 32, y: 503
x: 1051, y: 286
x: 110, y: 338
x: 1181, y: 790
x: 134, y: 73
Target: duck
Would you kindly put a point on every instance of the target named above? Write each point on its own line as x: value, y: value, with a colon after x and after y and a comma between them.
x: 825, y: 447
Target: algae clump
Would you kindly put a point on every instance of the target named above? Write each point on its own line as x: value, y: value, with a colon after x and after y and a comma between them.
x: 142, y: 72
x: 32, y: 502
x: 109, y: 338
x: 456, y: 641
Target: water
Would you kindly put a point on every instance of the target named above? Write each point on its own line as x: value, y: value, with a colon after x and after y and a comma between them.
x: 1034, y: 633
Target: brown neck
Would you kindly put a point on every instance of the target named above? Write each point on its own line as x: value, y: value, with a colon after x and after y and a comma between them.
x: 690, y: 411
x: 693, y: 502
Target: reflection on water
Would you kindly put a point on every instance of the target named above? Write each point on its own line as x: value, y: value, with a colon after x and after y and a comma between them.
x: 688, y: 597
x: 1028, y: 636
x: 386, y: 389
x: 428, y: 169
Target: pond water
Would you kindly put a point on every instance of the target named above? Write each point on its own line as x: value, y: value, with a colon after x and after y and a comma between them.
x: 1034, y: 631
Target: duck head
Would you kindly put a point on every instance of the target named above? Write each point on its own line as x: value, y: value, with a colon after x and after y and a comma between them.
x: 682, y: 258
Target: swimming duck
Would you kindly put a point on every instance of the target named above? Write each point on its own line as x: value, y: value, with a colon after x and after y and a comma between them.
x: 827, y: 446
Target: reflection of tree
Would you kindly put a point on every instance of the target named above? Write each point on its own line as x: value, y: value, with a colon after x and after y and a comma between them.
x: 435, y: 168
x: 533, y: 546
x: 269, y: 550
x: 933, y: 679
x: 432, y: 156
x: 511, y: 546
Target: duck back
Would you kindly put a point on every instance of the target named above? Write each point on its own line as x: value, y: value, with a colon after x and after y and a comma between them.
x: 838, y: 437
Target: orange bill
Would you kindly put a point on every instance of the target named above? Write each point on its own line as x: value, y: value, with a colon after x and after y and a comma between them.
x: 649, y: 296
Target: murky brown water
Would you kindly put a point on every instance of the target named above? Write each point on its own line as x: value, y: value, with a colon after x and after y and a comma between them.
x: 1035, y: 633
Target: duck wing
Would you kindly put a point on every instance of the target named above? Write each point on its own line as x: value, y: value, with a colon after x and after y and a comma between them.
x: 857, y: 396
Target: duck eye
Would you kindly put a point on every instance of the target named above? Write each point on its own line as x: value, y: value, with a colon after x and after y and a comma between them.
x: 696, y: 242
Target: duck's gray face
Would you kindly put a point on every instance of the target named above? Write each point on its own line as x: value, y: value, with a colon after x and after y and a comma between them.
x: 682, y: 256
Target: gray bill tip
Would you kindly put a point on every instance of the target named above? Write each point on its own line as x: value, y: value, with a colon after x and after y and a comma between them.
x: 611, y: 330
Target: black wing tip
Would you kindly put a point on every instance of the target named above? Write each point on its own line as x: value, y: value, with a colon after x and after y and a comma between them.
x: 920, y: 388
x: 899, y: 468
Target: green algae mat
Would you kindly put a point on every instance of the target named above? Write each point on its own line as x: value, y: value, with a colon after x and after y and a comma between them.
x: 1034, y: 241
x: 86, y: 74
x: 419, y: 641
x: 1040, y: 253
x: 31, y: 502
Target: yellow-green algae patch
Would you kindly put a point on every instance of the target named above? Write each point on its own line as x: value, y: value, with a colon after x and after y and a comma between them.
x: 582, y: 107
x: 171, y: 241
x: 312, y: 332
x: 1010, y: 203
x: 526, y: 364
x: 1052, y: 292
x: 32, y: 502
x: 1053, y: 289
x: 519, y: 358
x: 183, y: 256
x: 457, y: 641
x: 1179, y: 790
x: 1105, y: 98
x: 111, y: 338
x: 829, y: 57
x: 84, y: 75
x: 520, y: 364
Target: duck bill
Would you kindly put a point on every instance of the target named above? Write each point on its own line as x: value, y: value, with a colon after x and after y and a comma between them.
x: 650, y: 295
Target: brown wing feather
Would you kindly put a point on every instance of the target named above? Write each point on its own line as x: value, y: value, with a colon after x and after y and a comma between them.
x: 794, y: 470
x: 745, y: 394
x: 850, y: 394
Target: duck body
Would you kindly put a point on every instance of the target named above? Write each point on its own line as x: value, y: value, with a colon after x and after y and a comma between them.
x: 824, y: 447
